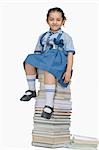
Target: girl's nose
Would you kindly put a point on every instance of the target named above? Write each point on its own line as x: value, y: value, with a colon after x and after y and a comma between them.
x: 54, y: 21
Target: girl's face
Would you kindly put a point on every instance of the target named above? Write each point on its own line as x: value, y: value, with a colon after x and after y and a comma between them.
x: 55, y: 21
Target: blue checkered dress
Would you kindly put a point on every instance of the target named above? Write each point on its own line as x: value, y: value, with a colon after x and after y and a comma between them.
x: 51, y: 53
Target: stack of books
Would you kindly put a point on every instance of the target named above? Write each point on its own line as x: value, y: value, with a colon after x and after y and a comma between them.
x: 53, y: 132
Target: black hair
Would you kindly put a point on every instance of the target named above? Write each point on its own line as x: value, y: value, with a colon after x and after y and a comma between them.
x: 58, y: 10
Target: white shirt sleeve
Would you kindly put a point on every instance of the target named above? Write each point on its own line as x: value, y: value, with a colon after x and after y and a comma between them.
x: 68, y: 44
x: 38, y: 47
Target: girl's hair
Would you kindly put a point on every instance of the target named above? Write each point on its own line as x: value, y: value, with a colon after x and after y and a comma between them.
x: 58, y: 10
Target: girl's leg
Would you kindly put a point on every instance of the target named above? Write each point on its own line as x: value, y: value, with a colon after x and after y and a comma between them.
x: 31, y: 77
x: 29, y: 69
x: 49, y: 78
x: 50, y: 82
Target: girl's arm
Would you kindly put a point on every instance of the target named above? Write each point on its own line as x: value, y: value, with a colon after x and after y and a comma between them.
x: 69, y: 62
x: 67, y: 74
x: 38, y: 48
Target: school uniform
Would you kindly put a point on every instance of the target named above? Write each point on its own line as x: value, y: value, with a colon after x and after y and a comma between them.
x: 51, y: 53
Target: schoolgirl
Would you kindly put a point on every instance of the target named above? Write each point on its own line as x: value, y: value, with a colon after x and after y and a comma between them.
x: 53, y: 54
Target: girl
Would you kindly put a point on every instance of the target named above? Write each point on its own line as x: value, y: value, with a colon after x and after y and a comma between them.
x: 53, y: 54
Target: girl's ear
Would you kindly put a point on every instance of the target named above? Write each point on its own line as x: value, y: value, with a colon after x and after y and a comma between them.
x: 47, y: 20
x: 63, y: 22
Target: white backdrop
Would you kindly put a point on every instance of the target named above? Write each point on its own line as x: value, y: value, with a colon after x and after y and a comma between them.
x: 22, y: 23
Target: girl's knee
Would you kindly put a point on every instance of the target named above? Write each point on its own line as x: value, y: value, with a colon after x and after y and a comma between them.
x: 49, y: 78
x: 25, y: 65
x: 48, y: 73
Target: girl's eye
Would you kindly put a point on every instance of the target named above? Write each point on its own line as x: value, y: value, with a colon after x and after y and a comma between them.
x: 51, y: 19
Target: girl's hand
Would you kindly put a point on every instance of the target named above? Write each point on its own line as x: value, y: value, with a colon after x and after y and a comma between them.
x: 67, y: 76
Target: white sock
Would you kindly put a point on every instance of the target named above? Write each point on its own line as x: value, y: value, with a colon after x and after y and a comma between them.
x: 50, y: 92
x: 31, y: 81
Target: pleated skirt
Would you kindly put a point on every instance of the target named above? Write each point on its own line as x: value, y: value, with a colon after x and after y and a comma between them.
x: 53, y: 61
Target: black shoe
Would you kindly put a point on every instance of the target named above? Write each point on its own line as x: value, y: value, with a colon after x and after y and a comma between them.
x: 27, y: 97
x: 45, y: 114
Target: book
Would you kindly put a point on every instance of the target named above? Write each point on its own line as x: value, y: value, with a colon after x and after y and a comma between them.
x: 51, y: 126
x: 40, y: 108
x: 51, y: 122
x: 56, y: 113
x: 61, y: 104
x: 54, y: 116
x: 81, y: 146
x: 49, y: 145
x: 50, y: 139
x: 59, y: 133
x: 51, y: 129
x: 52, y: 119
x: 56, y: 97
x: 58, y: 88
x: 84, y: 140
x: 57, y: 93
